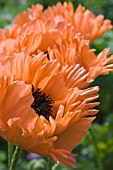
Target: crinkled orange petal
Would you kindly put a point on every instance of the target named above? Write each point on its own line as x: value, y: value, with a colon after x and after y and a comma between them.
x: 73, y: 135
x: 17, y: 106
x: 6, y: 48
x: 53, y: 88
x: 64, y: 157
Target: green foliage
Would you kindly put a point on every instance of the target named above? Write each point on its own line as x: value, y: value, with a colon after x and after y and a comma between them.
x: 104, y: 42
x: 105, y: 97
x: 37, y: 165
x: 104, y: 138
x: 2, y: 160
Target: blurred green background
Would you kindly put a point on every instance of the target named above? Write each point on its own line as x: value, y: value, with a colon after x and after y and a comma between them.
x: 92, y: 147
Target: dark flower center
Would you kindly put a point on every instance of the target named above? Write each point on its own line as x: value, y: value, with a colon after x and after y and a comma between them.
x: 46, y: 52
x: 42, y: 103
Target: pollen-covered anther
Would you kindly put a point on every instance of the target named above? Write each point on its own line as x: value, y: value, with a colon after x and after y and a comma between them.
x: 42, y: 103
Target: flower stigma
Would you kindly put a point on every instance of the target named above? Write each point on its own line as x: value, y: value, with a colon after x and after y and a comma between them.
x: 42, y: 103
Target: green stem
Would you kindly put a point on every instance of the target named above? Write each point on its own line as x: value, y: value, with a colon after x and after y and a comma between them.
x: 10, y: 153
x: 97, y: 152
x: 50, y: 164
x: 57, y: 166
x: 15, y: 158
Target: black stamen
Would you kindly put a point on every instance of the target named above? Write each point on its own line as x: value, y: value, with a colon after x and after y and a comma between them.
x: 42, y: 103
x: 47, y: 55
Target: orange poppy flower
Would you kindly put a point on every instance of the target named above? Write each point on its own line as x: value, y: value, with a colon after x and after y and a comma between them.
x: 68, y: 48
x: 85, y: 21
x: 37, y: 113
x: 61, y: 44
